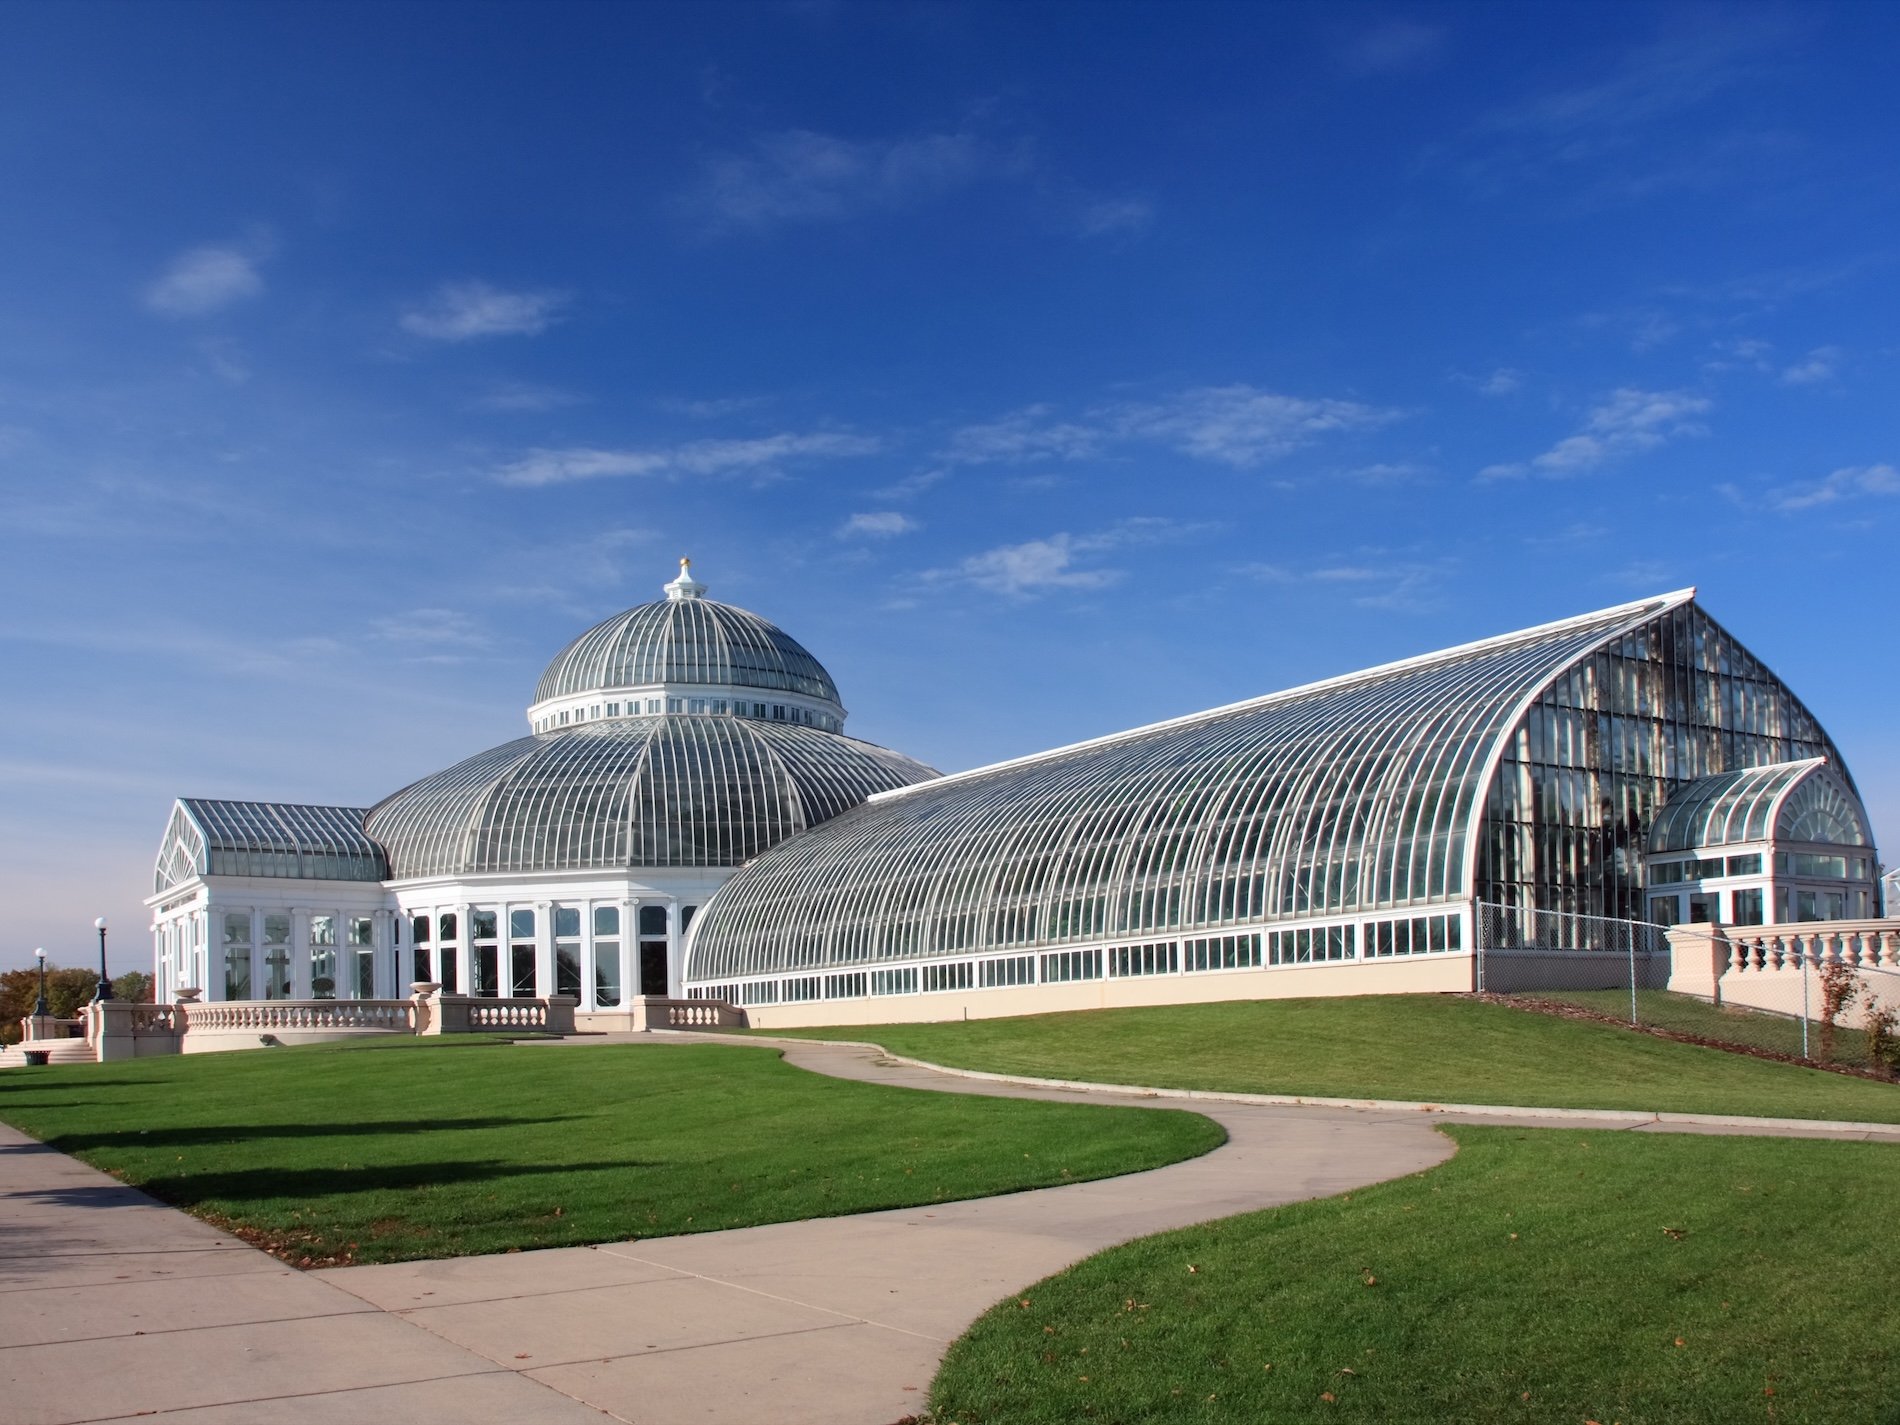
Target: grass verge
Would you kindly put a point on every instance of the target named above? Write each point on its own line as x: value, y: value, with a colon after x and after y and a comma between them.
x: 1730, y: 1024
x: 1439, y: 1049
x: 333, y: 1154
x: 1540, y: 1276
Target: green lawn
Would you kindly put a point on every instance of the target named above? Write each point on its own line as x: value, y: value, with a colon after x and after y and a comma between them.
x: 1436, y: 1048
x: 419, y: 1148
x: 1684, y: 1014
x: 1541, y: 1275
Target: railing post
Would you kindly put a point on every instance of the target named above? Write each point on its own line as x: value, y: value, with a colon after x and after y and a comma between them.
x: 426, y: 996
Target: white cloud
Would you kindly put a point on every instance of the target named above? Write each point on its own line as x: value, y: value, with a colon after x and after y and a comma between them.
x: 1024, y: 435
x: 1819, y: 365
x: 205, y: 279
x: 1108, y: 217
x: 526, y: 396
x: 1035, y: 566
x: 462, y: 311
x: 911, y: 486
x: 1625, y: 423
x: 432, y: 628
x: 1237, y: 425
x: 801, y: 176
x: 878, y: 524
x: 1060, y: 561
x: 1849, y: 483
x: 1243, y: 426
x: 1501, y: 382
x: 1393, y: 47
x: 759, y: 455
x: 1389, y: 472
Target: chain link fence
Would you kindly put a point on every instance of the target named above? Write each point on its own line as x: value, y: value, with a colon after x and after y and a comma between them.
x: 1795, y: 993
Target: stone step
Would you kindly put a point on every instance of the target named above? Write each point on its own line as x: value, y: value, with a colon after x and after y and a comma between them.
x: 60, y: 1051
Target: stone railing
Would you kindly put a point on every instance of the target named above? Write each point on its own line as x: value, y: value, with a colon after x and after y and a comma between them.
x: 118, y: 1029
x: 1770, y: 967
x: 692, y: 1014
x: 45, y: 1026
x: 273, y: 1016
x: 437, y: 1013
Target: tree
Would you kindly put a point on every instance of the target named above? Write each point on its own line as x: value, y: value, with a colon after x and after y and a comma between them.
x: 66, y: 991
x: 134, y: 987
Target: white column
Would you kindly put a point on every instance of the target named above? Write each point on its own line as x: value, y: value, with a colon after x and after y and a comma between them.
x: 544, y: 949
x: 464, y: 954
x: 300, y: 953
x: 672, y: 945
x: 629, y: 949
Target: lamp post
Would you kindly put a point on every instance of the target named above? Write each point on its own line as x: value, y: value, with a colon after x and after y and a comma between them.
x: 40, y: 1011
x: 105, y: 985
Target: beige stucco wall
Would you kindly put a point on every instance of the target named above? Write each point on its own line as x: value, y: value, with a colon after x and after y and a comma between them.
x: 1424, y: 974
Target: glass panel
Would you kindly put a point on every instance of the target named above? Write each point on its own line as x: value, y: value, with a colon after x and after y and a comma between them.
x: 483, y: 923
x: 237, y: 974
x: 567, y: 967
x: 323, y: 971
x: 237, y: 931
x: 523, y: 981
x: 277, y: 972
x: 362, y: 930
x: 446, y: 953
x: 653, y: 920
x: 607, y: 973
x: 421, y: 929
x: 366, y: 974
x: 448, y: 925
x: 487, y: 971
x: 606, y: 920
x: 521, y: 924
x: 653, y: 967
x: 276, y: 929
x: 323, y: 930
x: 1748, y: 908
x: 567, y: 921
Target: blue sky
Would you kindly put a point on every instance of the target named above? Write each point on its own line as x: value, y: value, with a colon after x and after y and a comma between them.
x: 1046, y: 369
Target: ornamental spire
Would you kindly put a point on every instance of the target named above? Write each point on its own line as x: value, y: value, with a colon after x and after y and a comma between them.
x: 686, y: 586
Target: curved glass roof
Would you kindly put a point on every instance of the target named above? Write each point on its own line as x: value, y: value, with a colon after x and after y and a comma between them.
x: 223, y: 838
x: 661, y: 791
x: 685, y: 639
x: 1786, y: 801
x: 1352, y: 794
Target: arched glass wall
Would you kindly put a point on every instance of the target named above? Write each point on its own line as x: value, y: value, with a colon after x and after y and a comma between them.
x: 1583, y: 776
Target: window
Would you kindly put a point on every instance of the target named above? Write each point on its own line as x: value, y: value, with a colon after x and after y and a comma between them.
x: 323, y: 930
x: 521, y: 924
x: 1223, y: 952
x: 847, y: 986
x: 696, y: 705
x: 1745, y: 866
x: 1747, y: 907
x: 448, y: 925
x: 237, y: 928
x: 613, y: 709
x: 674, y: 705
x: 1063, y: 965
x: 1665, y: 910
x: 420, y: 930
x: 806, y: 987
x: 362, y: 930
x: 1011, y: 970
x: 1125, y: 960
x: 482, y: 924
x: 894, y: 982
x: 948, y: 977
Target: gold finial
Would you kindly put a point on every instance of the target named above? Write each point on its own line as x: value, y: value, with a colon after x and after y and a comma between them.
x: 686, y: 565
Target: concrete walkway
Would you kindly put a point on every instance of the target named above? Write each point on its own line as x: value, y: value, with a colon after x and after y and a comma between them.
x: 116, y: 1306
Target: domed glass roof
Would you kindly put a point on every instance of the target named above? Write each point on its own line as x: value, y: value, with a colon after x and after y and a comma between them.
x: 659, y: 791
x: 685, y: 639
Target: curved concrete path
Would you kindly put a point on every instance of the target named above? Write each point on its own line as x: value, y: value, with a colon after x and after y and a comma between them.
x: 118, y: 1307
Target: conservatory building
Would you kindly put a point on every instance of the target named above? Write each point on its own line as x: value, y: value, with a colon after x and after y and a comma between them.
x: 687, y: 818
x: 668, y: 745
x: 1549, y: 792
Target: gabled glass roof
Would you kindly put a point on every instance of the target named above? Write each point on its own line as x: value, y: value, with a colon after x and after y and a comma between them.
x: 660, y: 791
x: 1791, y: 801
x: 1344, y: 796
x: 277, y: 839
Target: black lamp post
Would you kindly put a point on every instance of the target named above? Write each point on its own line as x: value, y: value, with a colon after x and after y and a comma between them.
x: 40, y: 1011
x: 105, y: 985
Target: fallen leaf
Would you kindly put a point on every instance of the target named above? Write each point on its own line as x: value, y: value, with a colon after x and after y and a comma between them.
x: 1681, y: 1342
x: 1192, y: 1267
x: 1347, y: 1371
x: 1023, y: 1304
x: 1675, y: 1234
x: 1327, y: 1396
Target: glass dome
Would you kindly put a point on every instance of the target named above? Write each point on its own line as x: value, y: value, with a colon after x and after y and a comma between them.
x: 686, y: 641
x: 641, y: 792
